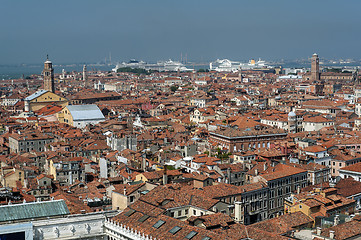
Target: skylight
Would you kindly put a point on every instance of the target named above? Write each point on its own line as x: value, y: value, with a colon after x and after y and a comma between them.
x: 175, y: 230
x: 158, y: 224
x: 191, y: 235
x: 129, y: 213
x: 143, y: 218
x: 206, y: 238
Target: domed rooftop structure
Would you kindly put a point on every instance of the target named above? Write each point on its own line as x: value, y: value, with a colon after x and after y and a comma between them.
x: 47, y: 59
x: 291, y: 114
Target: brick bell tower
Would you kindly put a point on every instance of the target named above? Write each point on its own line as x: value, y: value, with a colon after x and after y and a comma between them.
x: 315, y: 67
x: 48, y: 74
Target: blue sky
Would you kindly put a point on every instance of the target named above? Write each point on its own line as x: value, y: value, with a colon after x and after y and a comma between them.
x: 88, y: 30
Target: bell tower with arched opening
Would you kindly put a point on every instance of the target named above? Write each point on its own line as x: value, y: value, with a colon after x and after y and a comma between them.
x: 48, y: 74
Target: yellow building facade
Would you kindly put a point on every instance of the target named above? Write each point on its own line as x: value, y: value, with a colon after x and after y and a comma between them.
x: 52, y: 169
x: 43, y: 98
x: 80, y: 115
x: 308, y: 207
x: 141, y: 177
x: 319, y: 203
x: 64, y: 116
x: 10, y: 176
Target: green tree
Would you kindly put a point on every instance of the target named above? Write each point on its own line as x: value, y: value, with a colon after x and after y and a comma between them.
x: 221, y: 155
x: 170, y: 167
x: 173, y: 88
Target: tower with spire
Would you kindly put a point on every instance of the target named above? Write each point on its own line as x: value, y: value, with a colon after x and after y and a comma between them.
x: 48, y: 74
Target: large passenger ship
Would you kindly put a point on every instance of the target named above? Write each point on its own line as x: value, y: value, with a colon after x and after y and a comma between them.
x: 159, y: 66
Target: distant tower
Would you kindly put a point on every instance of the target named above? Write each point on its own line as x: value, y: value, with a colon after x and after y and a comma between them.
x: 194, y: 75
x: 85, y: 76
x: 292, y: 122
x: 48, y: 74
x: 315, y: 67
x: 63, y: 73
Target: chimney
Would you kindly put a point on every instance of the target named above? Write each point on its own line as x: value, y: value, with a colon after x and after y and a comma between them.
x: 238, y: 211
x: 229, y: 175
x: 144, y: 162
x: 352, y: 153
x: 256, y: 172
x: 298, y: 189
x: 336, y: 220
x: 318, y: 231
x: 165, y: 176
x: 332, y: 234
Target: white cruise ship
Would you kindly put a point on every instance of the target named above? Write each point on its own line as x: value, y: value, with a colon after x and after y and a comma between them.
x: 226, y: 65
x: 159, y: 66
x: 252, y: 64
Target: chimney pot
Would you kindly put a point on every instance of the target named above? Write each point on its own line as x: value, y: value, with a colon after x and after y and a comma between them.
x: 336, y: 220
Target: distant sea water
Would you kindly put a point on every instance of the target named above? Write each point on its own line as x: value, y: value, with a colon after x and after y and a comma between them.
x: 17, y: 71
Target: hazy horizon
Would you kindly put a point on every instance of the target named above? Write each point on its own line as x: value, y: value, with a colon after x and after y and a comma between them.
x: 88, y: 31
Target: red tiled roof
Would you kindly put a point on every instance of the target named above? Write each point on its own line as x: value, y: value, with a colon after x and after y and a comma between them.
x: 353, y: 168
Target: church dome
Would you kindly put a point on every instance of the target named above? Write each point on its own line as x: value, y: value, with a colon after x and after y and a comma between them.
x: 292, y: 114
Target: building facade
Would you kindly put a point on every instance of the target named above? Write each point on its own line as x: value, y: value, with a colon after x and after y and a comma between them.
x: 28, y: 142
x: 238, y: 140
x: 43, y: 98
x: 67, y: 171
x: 80, y: 115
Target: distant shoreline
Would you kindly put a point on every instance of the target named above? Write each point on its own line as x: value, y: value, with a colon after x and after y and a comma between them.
x: 17, y: 71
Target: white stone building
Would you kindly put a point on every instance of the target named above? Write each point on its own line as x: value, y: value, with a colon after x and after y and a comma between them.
x: 50, y: 220
x: 316, y: 123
